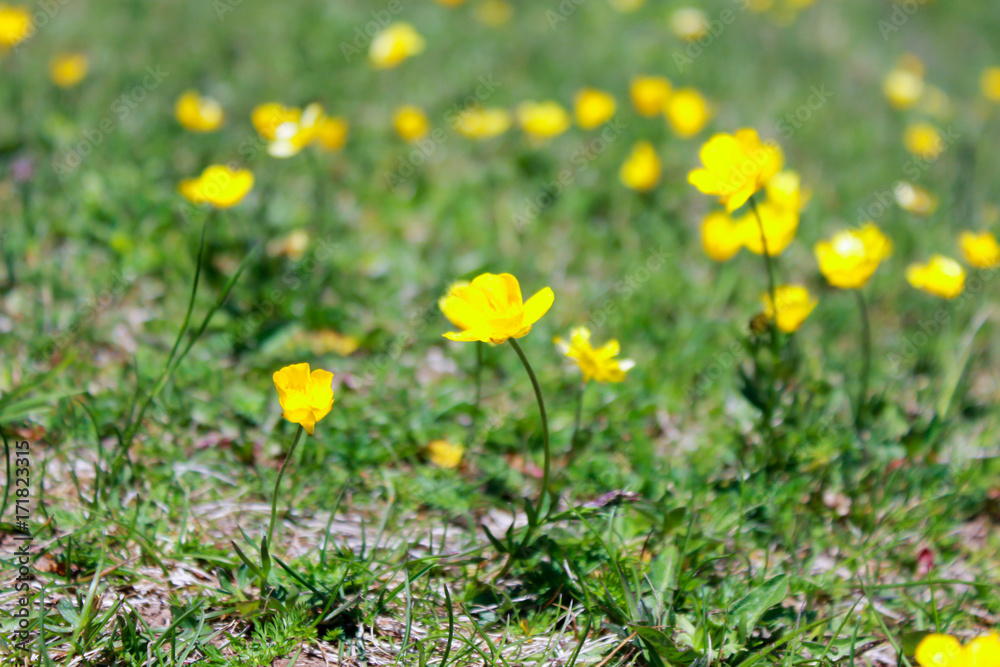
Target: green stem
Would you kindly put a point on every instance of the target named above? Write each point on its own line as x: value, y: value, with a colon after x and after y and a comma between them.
x: 194, y: 292
x: 772, y: 291
x: 866, y: 362
x: 277, y: 484
x: 479, y: 390
x: 545, y: 434
x: 574, y: 441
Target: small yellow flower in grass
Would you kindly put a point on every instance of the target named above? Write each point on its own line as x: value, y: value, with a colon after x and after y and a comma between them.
x: 780, y: 225
x: 493, y: 13
x: 903, y: 87
x: 218, y: 185
x: 445, y: 454
x: 593, y: 108
x: 650, y: 94
x: 850, y: 258
x: 721, y: 236
x: 641, y: 170
x: 305, y: 397
x: 923, y: 140
x: 15, y: 25
x: 543, y: 119
x: 785, y: 191
x: 68, y: 69
x: 989, y: 84
x: 490, y: 309
x: 980, y: 250
x: 687, y: 111
x: 266, y: 118
x: 410, y: 123
x: 689, y: 23
x: 598, y: 364
x: 938, y: 650
x: 292, y: 136
x: 394, y: 44
x: 941, y: 276
x: 480, y: 123
x: 197, y: 113
x: 736, y: 166
x: 914, y: 199
x: 331, y: 133
x: 794, y: 306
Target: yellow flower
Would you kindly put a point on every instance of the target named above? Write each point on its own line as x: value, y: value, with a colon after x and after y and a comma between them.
x: 626, y: 6
x: 736, y: 166
x: 649, y: 94
x: 444, y: 454
x: 851, y: 257
x: 689, y: 23
x: 914, y: 199
x: 794, y: 306
x: 688, y: 112
x: 598, y: 364
x: 721, y: 236
x: 15, y: 26
x: 493, y: 13
x: 305, y: 397
x: 197, y: 113
x: 785, y: 190
x: 780, y: 225
x: 266, y: 118
x: 542, y: 119
x: 68, y: 69
x: 219, y: 186
x: 490, y: 309
x: 450, y: 3
x: 641, y: 170
x: 593, y: 108
x: 923, y: 140
x: 396, y: 43
x: 903, y: 87
x: 331, y: 133
x: 984, y: 651
x: 980, y: 250
x: 411, y: 123
x: 292, y: 136
x: 989, y: 83
x: 937, y: 650
x: 480, y: 123
x: 941, y: 276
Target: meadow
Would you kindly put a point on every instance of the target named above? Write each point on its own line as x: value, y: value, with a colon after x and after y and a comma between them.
x: 661, y: 333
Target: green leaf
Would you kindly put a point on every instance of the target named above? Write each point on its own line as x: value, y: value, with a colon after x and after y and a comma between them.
x: 747, y: 612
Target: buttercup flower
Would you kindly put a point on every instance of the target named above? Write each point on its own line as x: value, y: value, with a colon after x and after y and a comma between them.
x: 780, y: 225
x: 593, y: 108
x: 736, y: 166
x: 292, y: 136
x: 904, y: 85
x: 936, y: 650
x: 989, y: 84
x: 305, y: 397
x: 641, y: 170
x: 490, y: 309
x: 649, y: 94
x: 599, y: 363
x: 68, y: 69
x: 480, y: 123
x: 941, y: 276
x: 794, y: 306
x: 218, y: 185
x: 687, y: 111
x: 266, y: 118
x: 15, y: 26
x: 493, y: 13
x: 784, y: 190
x: 331, y: 133
x: 851, y: 257
x: 914, y: 199
x: 410, y: 123
x: 923, y: 140
x: 444, y: 454
x: 197, y: 113
x: 542, y: 119
x: 980, y: 250
x: 721, y: 236
x: 689, y: 23
x: 396, y: 43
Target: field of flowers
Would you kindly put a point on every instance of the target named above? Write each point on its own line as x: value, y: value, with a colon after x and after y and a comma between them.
x: 494, y: 332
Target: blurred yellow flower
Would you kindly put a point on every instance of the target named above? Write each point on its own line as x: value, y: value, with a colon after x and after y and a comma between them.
x: 649, y: 94
x: 396, y: 43
x: 331, y: 133
x: 641, y: 170
x: 490, y: 309
x: 914, y: 199
x: 794, y: 306
x: 445, y: 454
x: 68, y: 69
x: 450, y: 3
x: 593, y: 108
x: 980, y: 250
x: 482, y: 123
x: 626, y: 6
x: 851, y: 257
x: 736, y: 166
x: 989, y: 84
x: 935, y: 102
x: 936, y: 650
x: 721, y: 236
x: 410, y: 123
x: 292, y: 246
x: 305, y: 397
x: 780, y: 225
x: 923, y: 140
x: 785, y: 190
x: 15, y: 25
x: 266, y: 118
x: 903, y: 88
x: 218, y: 185
x: 197, y: 113
x: 687, y: 112
x: 598, y: 364
x: 689, y: 23
x: 292, y: 136
x: 542, y: 119
x: 984, y: 651
x: 493, y: 13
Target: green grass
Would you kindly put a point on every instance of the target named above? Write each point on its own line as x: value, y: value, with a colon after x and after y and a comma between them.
x: 722, y: 541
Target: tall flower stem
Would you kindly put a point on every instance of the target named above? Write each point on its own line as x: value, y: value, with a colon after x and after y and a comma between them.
x: 574, y: 441
x: 479, y: 389
x: 771, y: 290
x: 277, y: 484
x: 545, y: 435
x: 866, y: 362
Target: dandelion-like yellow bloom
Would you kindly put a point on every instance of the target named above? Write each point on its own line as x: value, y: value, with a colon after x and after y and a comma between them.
x: 331, y: 133
x: 780, y: 225
x: 542, y: 120
x: 396, y: 43
x: 914, y: 199
x: 785, y: 190
x: 736, y: 166
x: 593, y: 108
x: 490, y: 309
x: 903, y: 88
x: 197, y: 113
x: 989, y: 84
x: 689, y: 23
x: 794, y: 306
x: 721, y: 236
x: 641, y: 170
x: 218, y: 185
x: 411, y: 123
x: 292, y: 136
x: 598, y: 364
x: 493, y: 13
x: 266, y: 118
x: 68, y: 69
x: 923, y: 140
x: 941, y: 276
x: 15, y: 25
x: 650, y: 94
x: 850, y: 258
x: 687, y: 111
x: 980, y: 250
x: 445, y: 454
x: 482, y: 123
x: 937, y: 650
x: 305, y: 397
